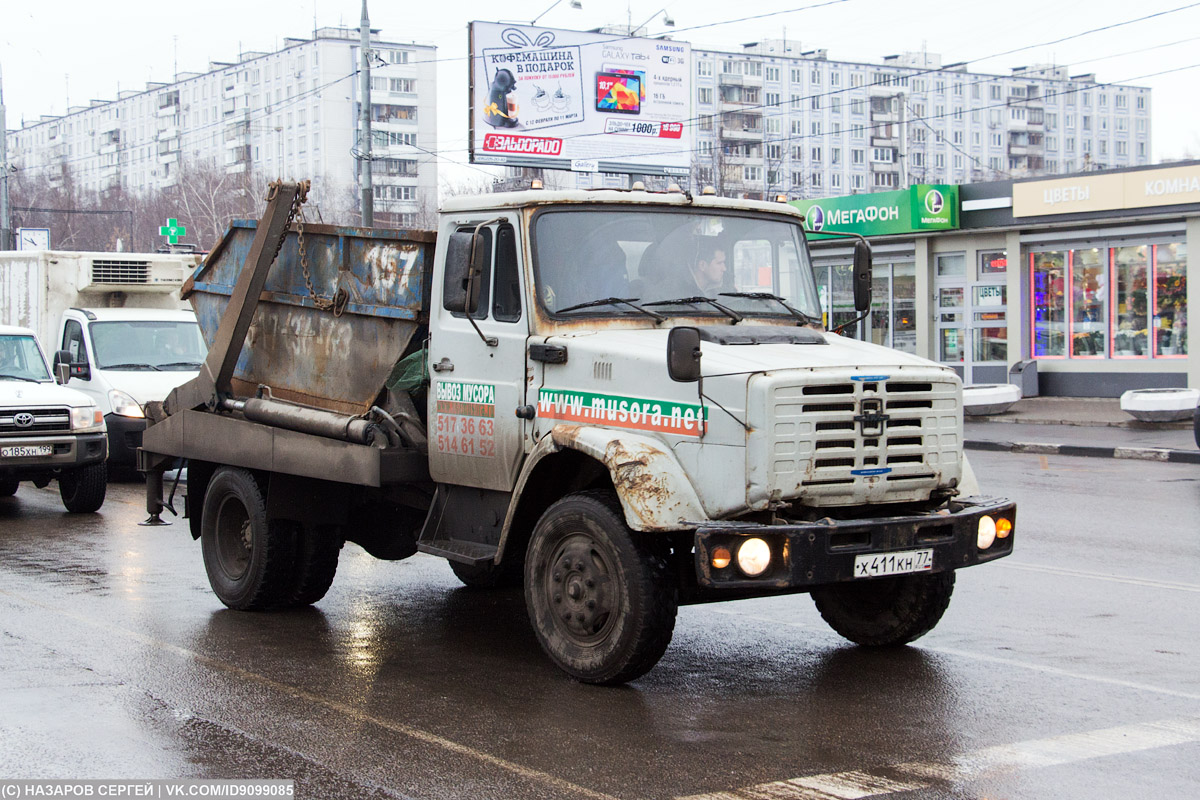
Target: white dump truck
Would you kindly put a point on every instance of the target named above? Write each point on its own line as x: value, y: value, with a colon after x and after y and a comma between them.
x: 130, y: 337
x: 623, y: 401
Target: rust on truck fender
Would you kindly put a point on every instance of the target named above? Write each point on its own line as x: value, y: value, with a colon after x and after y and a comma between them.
x: 654, y: 491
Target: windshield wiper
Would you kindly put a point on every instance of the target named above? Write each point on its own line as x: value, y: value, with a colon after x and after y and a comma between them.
x: 7, y: 376
x: 192, y: 364
x: 611, y: 301
x: 805, y: 319
x: 724, y: 309
x: 129, y: 366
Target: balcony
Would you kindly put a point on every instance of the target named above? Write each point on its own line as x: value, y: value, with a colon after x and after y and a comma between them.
x: 741, y: 134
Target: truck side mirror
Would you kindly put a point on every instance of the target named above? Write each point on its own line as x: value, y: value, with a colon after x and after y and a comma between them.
x: 65, y: 368
x: 862, y: 276
x: 62, y: 366
x: 683, y: 355
x: 464, y: 267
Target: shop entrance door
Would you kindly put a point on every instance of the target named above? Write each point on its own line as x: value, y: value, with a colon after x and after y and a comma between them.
x: 971, y: 320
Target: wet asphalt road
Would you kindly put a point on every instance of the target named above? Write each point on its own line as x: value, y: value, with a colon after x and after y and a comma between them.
x: 1070, y: 670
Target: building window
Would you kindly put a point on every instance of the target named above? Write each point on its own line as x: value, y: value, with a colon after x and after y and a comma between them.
x: 704, y: 95
x: 1089, y: 306
x: 1145, y: 285
x: 1170, y: 300
x: 704, y: 68
x: 1048, y: 274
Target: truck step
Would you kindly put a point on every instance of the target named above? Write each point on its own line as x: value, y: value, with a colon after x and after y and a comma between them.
x: 458, y: 550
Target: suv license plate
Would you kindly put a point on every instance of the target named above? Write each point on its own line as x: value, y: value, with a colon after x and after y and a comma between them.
x: 24, y: 451
x: 900, y: 563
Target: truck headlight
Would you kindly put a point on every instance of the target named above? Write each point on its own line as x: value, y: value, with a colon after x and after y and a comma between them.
x: 986, y: 534
x: 753, y: 557
x: 86, y: 417
x: 124, y: 406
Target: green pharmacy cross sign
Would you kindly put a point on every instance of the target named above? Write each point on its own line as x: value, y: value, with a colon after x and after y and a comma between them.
x: 173, y: 231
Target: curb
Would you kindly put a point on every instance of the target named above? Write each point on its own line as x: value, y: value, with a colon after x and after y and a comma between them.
x: 1135, y: 453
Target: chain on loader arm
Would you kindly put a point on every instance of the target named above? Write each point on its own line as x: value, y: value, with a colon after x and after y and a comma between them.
x: 337, y: 303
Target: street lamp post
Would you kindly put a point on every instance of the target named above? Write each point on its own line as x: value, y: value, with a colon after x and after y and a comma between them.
x: 572, y: 4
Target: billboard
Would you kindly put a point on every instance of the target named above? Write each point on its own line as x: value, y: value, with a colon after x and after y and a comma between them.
x: 588, y: 102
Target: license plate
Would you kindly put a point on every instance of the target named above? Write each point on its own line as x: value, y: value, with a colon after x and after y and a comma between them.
x: 893, y: 563
x: 24, y: 451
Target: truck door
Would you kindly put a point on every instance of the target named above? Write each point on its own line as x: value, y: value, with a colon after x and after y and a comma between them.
x: 475, y: 437
x: 74, y: 341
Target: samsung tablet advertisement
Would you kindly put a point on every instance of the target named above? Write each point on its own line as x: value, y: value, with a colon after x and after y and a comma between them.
x: 587, y: 102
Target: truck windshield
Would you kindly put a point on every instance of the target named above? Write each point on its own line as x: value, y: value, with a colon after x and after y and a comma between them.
x: 671, y: 258
x: 21, y: 359
x: 148, y: 345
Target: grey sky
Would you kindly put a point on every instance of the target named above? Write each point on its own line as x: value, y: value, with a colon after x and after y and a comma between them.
x: 52, y: 51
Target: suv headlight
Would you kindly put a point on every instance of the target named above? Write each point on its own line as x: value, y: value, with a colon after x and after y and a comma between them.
x: 124, y: 406
x: 87, y: 418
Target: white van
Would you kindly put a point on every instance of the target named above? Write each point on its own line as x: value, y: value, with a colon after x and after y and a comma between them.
x: 122, y: 358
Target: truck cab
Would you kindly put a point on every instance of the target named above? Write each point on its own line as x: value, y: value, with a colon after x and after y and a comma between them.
x: 47, y: 431
x: 123, y: 358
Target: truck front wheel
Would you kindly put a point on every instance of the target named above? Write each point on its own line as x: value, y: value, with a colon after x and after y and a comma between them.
x: 599, y: 597
x: 886, y: 611
x: 8, y: 487
x: 82, y: 490
x: 249, y: 559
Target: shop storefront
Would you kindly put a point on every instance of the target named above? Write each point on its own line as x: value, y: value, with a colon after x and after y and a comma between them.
x: 1083, y: 278
x: 893, y: 321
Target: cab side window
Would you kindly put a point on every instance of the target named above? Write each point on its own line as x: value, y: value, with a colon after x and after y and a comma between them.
x: 506, y: 306
x: 73, y: 341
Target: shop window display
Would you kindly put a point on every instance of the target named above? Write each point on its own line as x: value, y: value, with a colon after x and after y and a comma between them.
x: 1170, y: 300
x: 1048, y: 272
x: 1120, y: 302
x: 1089, y: 293
x: 1130, y: 265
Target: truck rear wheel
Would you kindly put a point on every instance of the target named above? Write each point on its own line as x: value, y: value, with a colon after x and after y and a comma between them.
x: 8, y: 487
x: 601, y: 601
x: 886, y: 611
x: 249, y: 560
x: 82, y: 490
x: 316, y: 563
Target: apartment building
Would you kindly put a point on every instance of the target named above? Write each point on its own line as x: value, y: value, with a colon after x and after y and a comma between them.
x: 292, y: 113
x: 772, y: 119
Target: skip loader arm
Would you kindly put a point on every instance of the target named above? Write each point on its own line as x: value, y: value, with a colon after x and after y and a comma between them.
x: 213, y: 381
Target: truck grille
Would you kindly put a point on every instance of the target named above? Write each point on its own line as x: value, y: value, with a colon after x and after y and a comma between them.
x: 117, y: 271
x: 841, y: 441
x: 44, y: 420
